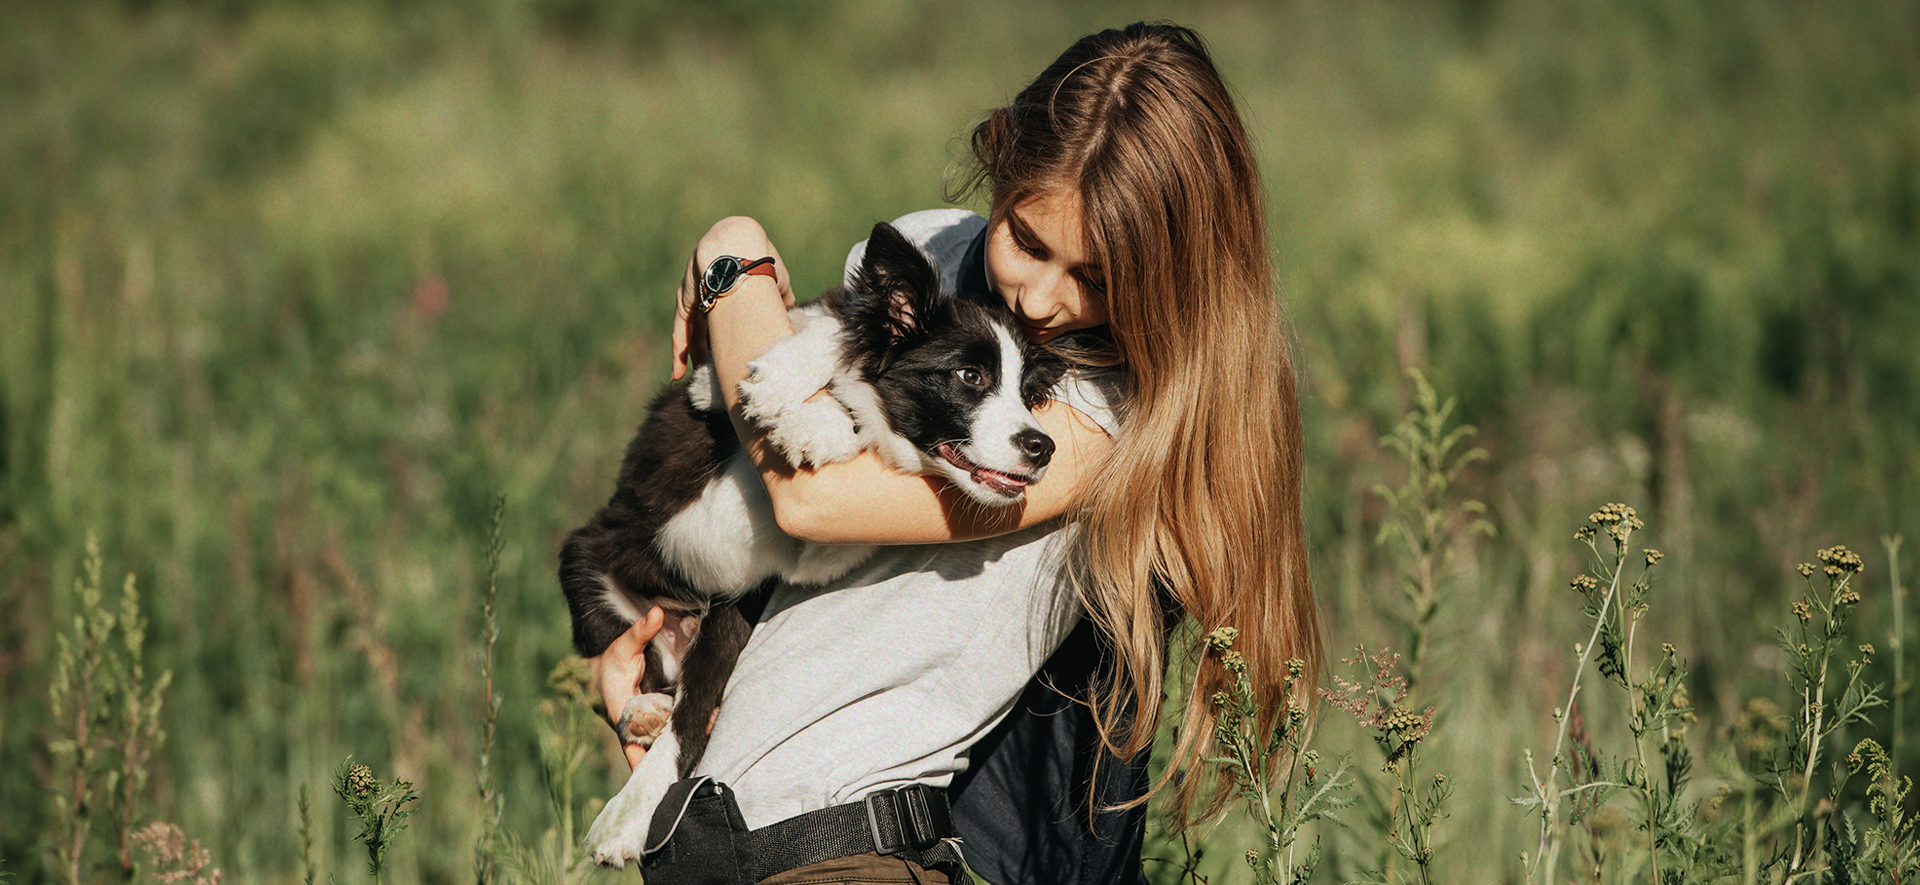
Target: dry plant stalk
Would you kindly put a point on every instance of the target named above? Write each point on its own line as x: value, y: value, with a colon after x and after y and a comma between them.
x: 486, y: 865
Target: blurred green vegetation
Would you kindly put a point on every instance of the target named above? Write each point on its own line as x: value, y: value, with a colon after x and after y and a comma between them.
x: 289, y: 291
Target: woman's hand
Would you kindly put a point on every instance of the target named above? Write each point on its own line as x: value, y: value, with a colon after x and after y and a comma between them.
x: 617, y: 672
x: 741, y: 237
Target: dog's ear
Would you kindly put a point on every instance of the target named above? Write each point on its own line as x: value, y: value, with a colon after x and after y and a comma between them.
x: 892, y: 293
x: 1044, y: 369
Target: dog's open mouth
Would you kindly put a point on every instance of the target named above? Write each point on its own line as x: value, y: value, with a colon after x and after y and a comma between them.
x: 1008, y: 484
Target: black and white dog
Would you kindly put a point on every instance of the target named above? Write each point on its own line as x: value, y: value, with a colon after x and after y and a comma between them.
x: 936, y: 385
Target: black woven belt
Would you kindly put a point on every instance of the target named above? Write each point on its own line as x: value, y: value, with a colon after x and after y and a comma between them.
x: 914, y: 823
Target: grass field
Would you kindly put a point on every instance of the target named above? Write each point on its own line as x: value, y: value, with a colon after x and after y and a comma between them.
x: 291, y: 291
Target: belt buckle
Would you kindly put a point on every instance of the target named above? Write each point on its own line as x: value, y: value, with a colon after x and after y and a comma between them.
x: 920, y: 819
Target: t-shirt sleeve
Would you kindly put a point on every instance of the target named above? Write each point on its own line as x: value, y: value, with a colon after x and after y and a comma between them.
x: 1100, y: 394
x: 943, y: 234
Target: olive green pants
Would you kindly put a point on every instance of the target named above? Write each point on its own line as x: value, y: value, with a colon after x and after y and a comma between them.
x: 860, y: 869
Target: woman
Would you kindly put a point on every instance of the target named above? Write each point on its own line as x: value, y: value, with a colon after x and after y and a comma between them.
x: 1126, y: 232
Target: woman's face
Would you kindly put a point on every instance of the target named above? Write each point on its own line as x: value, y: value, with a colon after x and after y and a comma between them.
x: 1037, y: 262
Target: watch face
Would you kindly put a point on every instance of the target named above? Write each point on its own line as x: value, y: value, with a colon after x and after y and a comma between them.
x: 721, y: 274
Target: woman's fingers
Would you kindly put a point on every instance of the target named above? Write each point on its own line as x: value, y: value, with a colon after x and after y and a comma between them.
x: 618, y: 670
x: 782, y: 277
x: 689, y: 339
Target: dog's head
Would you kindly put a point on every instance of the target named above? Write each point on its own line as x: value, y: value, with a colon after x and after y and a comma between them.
x: 954, y: 377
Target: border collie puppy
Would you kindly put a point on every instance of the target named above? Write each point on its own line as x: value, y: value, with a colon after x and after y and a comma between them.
x: 935, y: 385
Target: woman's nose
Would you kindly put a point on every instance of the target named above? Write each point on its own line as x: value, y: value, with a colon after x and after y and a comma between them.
x: 1042, y: 299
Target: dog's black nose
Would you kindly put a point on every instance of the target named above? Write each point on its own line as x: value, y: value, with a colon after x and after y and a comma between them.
x: 1037, y: 446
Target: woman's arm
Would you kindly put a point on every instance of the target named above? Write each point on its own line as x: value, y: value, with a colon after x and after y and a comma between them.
x: 861, y: 501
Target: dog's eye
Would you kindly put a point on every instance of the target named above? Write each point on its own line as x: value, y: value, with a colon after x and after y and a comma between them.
x: 971, y: 377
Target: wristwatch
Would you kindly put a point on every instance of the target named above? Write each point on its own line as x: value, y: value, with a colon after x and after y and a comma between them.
x: 725, y: 273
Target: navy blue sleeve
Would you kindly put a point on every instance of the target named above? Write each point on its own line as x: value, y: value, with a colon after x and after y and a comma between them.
x: 1022, y: 805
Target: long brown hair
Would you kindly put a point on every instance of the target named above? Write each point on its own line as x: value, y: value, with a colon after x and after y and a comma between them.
x: 1198, y: 506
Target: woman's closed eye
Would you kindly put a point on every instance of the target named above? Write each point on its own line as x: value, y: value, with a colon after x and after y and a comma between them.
x: 1033, y: 250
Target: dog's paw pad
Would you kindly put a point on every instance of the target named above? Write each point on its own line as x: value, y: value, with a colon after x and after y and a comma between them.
x: 644, y: 717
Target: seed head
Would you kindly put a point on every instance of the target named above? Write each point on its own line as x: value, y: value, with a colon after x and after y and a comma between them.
x: 1296, y: 667
x: 1654, y: 556
x: 1220, y: 699
x: 1805, y: 569
x: 1402, y: 722
x: 1295, y: 714
x: 1838, y: 559
x: 1233, y: 662
x: 1583, y: 533
x: 1848, y: 597
x: 1802, y: 611
x: 361, y: 784
x: 1584, y: 583
x: 1222, y: 639
x: 1618, y: 519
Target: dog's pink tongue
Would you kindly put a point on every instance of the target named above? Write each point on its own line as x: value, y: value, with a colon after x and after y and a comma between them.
x: 999, y: 482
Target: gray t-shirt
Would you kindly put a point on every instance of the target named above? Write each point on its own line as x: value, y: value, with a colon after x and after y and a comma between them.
x: 886, y: 677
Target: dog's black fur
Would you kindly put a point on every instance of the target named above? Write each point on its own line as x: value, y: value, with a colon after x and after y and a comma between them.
x: 677, y: 452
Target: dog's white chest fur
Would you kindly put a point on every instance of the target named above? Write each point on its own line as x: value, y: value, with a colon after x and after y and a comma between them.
x: 727, y: 542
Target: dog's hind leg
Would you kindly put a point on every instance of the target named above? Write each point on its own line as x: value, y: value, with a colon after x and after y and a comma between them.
x: 619, y: 834
x: 703, y: 680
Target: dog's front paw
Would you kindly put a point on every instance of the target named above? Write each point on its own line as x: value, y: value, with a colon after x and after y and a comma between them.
x: 815, y: 433
x: 791, y: 371
x: 644, y: 717
x: 618, y: 836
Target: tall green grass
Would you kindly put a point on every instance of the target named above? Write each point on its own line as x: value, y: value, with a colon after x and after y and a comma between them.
x: 289, y: 292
